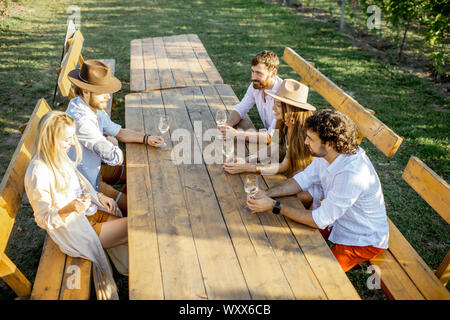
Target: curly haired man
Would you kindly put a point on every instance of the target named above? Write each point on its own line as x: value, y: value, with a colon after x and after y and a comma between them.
x: 348, y: 203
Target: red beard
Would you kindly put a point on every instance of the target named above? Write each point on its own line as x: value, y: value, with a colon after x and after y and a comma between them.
x: 260, y: 85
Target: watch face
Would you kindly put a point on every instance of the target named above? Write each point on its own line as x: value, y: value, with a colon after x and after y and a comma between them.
x: 276, y: 208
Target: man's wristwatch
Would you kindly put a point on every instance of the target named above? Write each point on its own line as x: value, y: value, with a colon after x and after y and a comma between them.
x: 276, y: 208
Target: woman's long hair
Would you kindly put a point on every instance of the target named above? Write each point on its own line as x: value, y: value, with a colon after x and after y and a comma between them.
x: 298, y: 153
x: 48, y: 149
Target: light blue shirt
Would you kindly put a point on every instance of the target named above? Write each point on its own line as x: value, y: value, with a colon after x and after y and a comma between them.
x: 351, y: 199
x: 95, y: 147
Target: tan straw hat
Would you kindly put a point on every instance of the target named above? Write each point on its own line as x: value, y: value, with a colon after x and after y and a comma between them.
x: 95, y: 76
x: 293, y: 93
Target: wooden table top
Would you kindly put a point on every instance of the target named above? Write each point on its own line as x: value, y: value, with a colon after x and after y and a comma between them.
x: 170, y: 62
x: 189, y: 237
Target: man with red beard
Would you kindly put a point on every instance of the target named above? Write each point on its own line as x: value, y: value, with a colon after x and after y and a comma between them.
x: 264, y: 76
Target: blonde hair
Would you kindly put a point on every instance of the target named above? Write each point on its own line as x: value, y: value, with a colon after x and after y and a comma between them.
x: 298, y: 153
x: 51, y: 128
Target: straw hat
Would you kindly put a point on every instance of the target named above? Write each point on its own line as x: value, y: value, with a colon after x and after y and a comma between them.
x: 95, y: 76
x: 293, y: 93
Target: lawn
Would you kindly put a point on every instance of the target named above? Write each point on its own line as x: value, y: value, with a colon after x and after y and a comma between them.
x: 232, y: 31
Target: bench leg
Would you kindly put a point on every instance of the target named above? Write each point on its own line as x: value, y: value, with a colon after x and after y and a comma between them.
x: 13, y: 277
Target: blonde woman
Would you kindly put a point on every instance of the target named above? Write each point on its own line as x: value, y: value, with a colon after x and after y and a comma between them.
x: 291, y: 111
x: 79, y: 220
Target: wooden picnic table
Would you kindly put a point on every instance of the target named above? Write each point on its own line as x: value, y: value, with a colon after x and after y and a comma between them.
x: 170, y: 62
x: 189, y: 237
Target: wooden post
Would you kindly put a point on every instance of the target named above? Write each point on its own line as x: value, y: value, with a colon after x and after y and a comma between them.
x: 13, y: 277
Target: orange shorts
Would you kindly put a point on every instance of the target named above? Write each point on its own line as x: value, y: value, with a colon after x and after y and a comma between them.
x: 350, y: 256
x: 97, y: 219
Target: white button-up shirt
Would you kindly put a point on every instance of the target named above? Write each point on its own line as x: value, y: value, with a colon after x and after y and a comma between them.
x: 353, y: 201
x: 263, y: 103
x: 90, y: 128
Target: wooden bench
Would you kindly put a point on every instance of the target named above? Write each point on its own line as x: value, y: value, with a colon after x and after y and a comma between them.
x: 404, y: 275
x: 55, y: 269
x: 73, y: 59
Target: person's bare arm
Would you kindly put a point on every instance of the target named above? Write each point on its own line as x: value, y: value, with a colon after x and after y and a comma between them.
x: 127, y: 136
x: 286, y: 188
x: 233, y: 119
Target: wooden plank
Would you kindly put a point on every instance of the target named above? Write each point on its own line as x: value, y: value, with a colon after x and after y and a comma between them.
x: 198, y: 77
x: 329, y: 273
x: 177, y: 64
x: 12, y: 185
x: 47, y: 283
x: 76, y: 282
x: 377, y: 132
x: 70, y: 62
x: 213, y: 244
x: 431, y: 187
x: 145, y: 278
x: 111, y: 63
x: 137, y: 76
x: 419, y: 272
x: 395, y: 282
x: 443, y: 271
x: 205, y: 61
x: 181, y: 271
x: 286, y: 252
x: 150, y: 64
x: 165, y: 73
x: 13, y: 277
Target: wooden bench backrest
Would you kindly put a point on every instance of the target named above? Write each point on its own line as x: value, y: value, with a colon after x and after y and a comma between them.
x: 436, y: 192
x: 70, y: 61
x: 12, y: 185
x: 373, y: 129
x: 71, y: 29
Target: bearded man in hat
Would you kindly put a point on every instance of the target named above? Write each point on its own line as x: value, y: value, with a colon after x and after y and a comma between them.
x: 348, y: 202
x: 102, y: 159
x: 264, y: 67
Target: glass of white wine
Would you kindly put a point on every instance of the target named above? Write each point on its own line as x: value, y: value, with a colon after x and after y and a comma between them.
x: 228, y: 149
x: 163, y: 127
x: 221, y: 117
x: 85, y: 199
x: 251, y: 188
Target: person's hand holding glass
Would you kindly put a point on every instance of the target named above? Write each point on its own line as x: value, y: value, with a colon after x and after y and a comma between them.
x: 163, y: 127
x: 251, y: 188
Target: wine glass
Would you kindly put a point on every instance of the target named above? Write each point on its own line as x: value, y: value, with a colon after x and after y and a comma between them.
x: 228, y: 149
x: 251, y: 188
x: 221, y: 117
x: 85, y: 199
x: 163, y: 127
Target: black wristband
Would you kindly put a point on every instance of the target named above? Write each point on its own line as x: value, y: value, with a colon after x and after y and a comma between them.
x: 276, y: 208
x: 144, y: 140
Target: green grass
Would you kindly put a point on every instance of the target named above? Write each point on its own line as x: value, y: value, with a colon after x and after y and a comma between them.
x: 232, y: 32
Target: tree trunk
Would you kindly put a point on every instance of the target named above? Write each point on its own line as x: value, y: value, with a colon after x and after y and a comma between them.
x: 341, y: 26
x: 400, y: 52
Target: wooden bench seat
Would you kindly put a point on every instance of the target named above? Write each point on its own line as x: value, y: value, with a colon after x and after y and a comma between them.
x: 55, y: 278
x: 404, y: 274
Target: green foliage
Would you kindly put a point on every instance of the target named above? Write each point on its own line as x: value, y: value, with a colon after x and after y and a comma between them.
x: 433, y: 15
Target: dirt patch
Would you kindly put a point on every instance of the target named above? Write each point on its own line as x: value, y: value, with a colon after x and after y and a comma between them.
x: 11, y: 9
